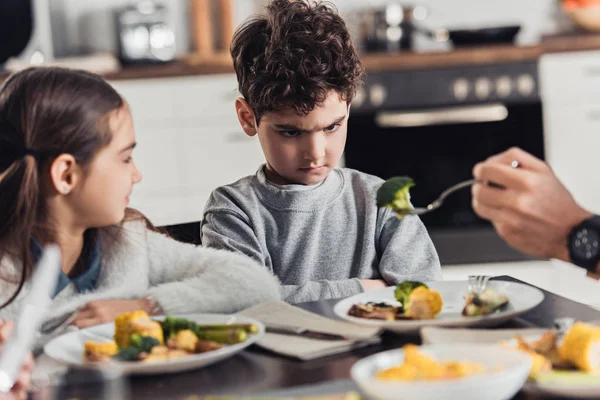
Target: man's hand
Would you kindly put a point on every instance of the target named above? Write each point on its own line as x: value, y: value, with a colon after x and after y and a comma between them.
x: 23, y: 382
x: 103, y: 311
x: 534, y: 212
x: 373, y: 284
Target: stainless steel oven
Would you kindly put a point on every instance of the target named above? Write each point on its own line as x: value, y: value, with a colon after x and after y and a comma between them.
x: 435, y: 125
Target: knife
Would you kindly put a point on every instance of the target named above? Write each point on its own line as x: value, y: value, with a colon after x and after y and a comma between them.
x: 30, y: 318
x: 304, y: 332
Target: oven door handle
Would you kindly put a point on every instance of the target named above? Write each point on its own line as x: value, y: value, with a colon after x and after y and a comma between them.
x: 442, y: 116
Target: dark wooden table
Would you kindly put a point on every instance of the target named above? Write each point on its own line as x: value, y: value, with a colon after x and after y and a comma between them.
x: 258, y: 371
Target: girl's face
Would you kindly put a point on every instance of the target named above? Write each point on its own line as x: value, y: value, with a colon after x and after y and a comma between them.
x: 103, y: 195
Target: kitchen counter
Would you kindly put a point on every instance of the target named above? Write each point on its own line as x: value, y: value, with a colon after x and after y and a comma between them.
x: 221, y: 64
x: 498, y: 54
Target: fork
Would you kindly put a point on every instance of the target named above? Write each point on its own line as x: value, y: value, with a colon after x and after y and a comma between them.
x: 439, y: 201
x: 57, y: 323
x: 478, y: 283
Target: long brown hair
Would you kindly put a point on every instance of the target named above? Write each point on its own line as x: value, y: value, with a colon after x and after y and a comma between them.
x: 44, y: 112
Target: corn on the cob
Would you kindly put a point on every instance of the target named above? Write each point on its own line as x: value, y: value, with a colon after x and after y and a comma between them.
x: 423, y: 303
x: 581, y: 346
x: 98, y: 351
x: 136, y: 322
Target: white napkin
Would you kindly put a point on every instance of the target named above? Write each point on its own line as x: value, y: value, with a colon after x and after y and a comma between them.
x: 303, y: 348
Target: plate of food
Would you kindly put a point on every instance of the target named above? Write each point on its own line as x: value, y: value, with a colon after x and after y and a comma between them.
x: 563, y: 364
x: 139, y: 344
x: 410, y: 305
x: 450, y: 372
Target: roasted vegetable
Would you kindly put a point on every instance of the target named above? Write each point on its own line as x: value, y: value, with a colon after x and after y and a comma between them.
x: 404, y: 289
x: 139, y: 322
x: 423, y: 303
x: 138, y: 345
x: 227, y: 334
x: 484, y: 303
x: 581, y: 346
x: 394, y: 193
x: 99, y: 351
x: 183, y: 340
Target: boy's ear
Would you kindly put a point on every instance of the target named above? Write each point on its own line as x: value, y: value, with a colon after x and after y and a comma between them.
x: 245, y: 116
x: 65, y: 174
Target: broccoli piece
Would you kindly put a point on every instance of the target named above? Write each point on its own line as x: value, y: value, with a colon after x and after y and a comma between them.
x: 137, y: 344
x: 394, y: 194
x: 172, y: 325
x: 142, y: 343
x: 404, y: 289
x: 128, y: 354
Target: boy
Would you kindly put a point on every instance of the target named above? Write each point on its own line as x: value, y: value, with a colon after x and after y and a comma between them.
x: 315, y: 226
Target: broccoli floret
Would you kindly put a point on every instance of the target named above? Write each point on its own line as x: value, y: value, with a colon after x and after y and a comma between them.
x: 137, y: 344
x: 142, y: 343
x: 128, y: 354
x: 172, y: 325
x: 394, y: 193
x: 404, y: 289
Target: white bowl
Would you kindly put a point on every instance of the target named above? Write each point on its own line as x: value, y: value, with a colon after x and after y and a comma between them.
x: 587, y: 18
x: 511, y: 369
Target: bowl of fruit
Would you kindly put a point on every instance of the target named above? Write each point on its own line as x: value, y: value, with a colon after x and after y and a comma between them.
x: 584, y: 13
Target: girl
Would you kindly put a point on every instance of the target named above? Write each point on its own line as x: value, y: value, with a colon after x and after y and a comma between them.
x: 66, y: 173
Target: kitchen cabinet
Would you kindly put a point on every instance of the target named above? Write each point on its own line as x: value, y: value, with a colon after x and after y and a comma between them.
x: 189, y: 143
x: 571, y: 105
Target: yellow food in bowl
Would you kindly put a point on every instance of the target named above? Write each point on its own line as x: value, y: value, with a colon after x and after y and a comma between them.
x: 418, y: 366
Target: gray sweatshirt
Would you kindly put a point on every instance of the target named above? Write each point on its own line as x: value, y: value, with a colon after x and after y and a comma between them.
x: 321, y: 239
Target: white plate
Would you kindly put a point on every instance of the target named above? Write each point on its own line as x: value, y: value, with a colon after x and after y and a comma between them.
x: 68, y: 348
x: 522, y: 298
x: 571, y: 391
x: 511, y: 370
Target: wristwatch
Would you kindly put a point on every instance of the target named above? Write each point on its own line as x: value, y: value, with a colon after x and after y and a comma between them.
x: 584, y: 244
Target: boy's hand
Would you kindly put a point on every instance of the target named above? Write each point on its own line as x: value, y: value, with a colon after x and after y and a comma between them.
x: 23, y: 382
x: 103, y: 311
x: 373, y: 284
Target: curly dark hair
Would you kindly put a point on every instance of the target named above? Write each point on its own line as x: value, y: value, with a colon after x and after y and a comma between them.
x: 294, y: 56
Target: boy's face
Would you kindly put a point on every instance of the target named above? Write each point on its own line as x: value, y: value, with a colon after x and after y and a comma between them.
x: 300, y: 149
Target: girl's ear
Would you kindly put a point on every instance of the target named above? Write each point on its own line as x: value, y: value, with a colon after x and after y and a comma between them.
x: 245, y: 116
x: 65, y: 174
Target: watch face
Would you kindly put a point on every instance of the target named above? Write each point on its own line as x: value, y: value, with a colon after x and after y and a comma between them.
x: 585, y: 243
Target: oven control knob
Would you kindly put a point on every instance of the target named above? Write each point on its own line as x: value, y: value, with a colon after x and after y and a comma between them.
x: 359, y: 97
x: 460, y: 89
x: 378, y: 94
x: 483, y: 87
x: 504, y: 86
x: 525, y: 85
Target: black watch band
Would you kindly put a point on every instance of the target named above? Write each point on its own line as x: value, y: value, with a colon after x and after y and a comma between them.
x: 584, y: 244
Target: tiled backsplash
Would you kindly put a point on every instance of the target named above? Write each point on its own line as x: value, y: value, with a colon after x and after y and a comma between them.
x: 84, y: 25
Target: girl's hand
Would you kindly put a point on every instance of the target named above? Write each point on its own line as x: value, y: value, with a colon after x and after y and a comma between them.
x: 23, y: 382
x: 103, y: 311
x: 373, y: 284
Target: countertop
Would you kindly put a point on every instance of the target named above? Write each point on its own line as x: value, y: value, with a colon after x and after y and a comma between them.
x: 391, y: 61
x: 374, y: 62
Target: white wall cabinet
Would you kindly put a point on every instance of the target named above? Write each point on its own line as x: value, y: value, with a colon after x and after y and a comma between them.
x: 189, y: 143
x: 570, y: 85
